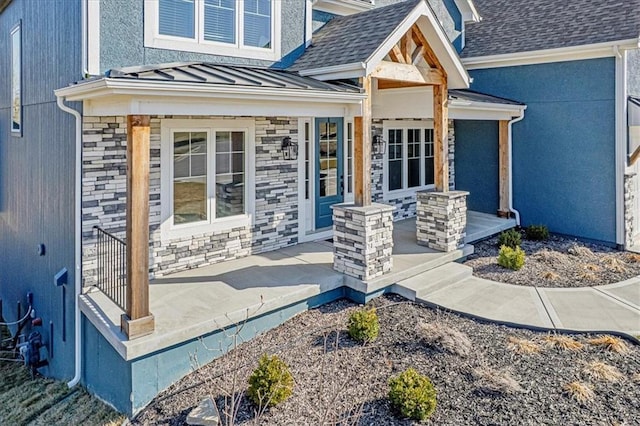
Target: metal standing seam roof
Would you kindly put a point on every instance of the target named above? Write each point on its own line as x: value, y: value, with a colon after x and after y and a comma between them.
x: 472, y: 96
x: 228, y: 75
x: 353, y: 38
x: 510, y: 26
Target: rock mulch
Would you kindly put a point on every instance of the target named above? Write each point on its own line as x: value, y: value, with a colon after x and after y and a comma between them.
x: 557, y: 262
x: 495, y: 383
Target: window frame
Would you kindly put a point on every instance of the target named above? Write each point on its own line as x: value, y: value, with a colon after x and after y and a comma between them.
x: 404, y: 126
x: 153, y: 38
x: 170, y: 230
x: 16, y: 29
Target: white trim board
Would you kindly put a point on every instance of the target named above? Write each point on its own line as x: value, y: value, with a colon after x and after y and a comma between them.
x: 342, y: 7
x: 574, y: 53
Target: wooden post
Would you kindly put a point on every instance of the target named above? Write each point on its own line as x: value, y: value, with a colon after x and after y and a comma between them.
x: 503, y: 154
x: 362, y: 150
x: 441, y: 137
x: 137, y: 321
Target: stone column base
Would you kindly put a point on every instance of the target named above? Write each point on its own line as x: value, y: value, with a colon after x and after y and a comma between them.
x: 362, y: 240
x: 441, y: 219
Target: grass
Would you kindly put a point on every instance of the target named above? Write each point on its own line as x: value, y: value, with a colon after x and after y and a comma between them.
x: 445, y: 338
x: 493, y: 381
x: 523, y: 346
x: 579, y: 391
x: 597, y: 370
x: 610, y: 343
x: 561, y: 342
x: 550, y: 276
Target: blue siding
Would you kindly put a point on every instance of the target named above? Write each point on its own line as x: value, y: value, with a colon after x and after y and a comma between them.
x: 477, y: 163
x: 37, y: 171
x: 122, y: 37
x: 564, y: 149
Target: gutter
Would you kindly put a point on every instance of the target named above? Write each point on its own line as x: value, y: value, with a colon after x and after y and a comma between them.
x: 510, y: 144
x: 78, y: 239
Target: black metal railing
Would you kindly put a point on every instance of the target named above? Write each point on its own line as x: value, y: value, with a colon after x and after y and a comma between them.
x: 112, y: 267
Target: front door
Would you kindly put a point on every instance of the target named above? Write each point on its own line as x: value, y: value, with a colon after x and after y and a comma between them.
x: 329, y: 153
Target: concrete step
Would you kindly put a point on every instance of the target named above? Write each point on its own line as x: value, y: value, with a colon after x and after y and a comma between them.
x: 431, y: 281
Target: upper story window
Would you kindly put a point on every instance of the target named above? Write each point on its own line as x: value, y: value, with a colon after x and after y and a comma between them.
x: 16, y: 80
x: 242, y: 28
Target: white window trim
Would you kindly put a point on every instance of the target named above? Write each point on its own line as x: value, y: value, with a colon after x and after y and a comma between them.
x: 17, y: 29
x: 348, y: 195
x: 404, y: 126
x: 153, y: 38
x: 168, y: 230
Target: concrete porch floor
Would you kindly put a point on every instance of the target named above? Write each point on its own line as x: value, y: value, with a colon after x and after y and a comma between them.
x: 192, y: 303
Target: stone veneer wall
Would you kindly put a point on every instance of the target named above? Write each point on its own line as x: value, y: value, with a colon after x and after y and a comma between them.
x: 405, y: 207
x: 631, y: 182
x: 441, y: 223
x: 104, y: 197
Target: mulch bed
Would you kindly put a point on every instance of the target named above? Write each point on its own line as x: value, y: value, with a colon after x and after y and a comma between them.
x: 557, y: 262
x: 333, y: 375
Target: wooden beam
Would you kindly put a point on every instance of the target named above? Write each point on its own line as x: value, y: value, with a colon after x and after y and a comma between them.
x: 405, y: 46
x: 429, y: 55
x: 503, y: 159
x: 396, y: 55
x: 137, y: 321
x: 634, y: 157
x: 393, y: 84
x: 362, y: 149
x: 417, y: 56
x: 408, y: 73
x: 441, y: 136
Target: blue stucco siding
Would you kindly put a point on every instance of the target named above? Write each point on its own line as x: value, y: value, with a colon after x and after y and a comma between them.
x: 564, y: 149
x: 122, y: 38
x: 37, y: 173
x: 476, y: 163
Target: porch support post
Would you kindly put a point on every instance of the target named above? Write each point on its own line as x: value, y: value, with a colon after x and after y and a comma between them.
x: 137, y: 321
x: 503, y: 154
x: 362, y: 150
x: 440, y: 130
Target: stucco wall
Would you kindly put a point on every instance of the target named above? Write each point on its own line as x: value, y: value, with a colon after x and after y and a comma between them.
x: 275, y: 222
x: 564, y: 149
x: 122, y: 37
x: 633, y: 72
x: 477, y: 163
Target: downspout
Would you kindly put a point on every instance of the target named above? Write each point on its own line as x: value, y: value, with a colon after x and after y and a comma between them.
x: 515, y: 212
x: 78, y: 238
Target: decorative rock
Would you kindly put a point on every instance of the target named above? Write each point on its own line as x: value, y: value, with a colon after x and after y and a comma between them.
x: 205, y: 414
x: 441, y: 222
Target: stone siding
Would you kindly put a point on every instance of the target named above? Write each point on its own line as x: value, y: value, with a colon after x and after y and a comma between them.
x: 275, y: 222
x: 631, y: 182
x: 441, y: 223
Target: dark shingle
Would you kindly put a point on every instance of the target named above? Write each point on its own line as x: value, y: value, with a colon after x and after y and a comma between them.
x: 470, y: 95
x: 354, y: 38
x: 511, y: 26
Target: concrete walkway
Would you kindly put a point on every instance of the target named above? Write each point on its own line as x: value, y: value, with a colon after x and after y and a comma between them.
x: 610, y: 308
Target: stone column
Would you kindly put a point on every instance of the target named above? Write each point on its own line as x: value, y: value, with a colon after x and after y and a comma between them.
x: 441, y: 219
x: 630, y: 182
x: 362, y: 240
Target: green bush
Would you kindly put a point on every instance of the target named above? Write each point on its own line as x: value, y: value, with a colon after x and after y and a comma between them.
x: 511, y: 258
x: 510, y: 238
x: 537, y: 233
x: 270, y: 383
x: 363, y: 325
x: 412, y: 395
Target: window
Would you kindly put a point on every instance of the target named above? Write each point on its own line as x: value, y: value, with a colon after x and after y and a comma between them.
x: 244, y: 28
x: 16, y: 80
x: 349, y: 157
x: 204, y: 169
x: 409, y: 160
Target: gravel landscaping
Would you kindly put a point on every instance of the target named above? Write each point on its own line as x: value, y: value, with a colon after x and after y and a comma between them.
x: 557, y: 262
x: 484, y: 374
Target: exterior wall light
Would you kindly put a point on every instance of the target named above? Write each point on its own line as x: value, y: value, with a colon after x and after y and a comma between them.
x: 379, y: 145
x: 289, y: 149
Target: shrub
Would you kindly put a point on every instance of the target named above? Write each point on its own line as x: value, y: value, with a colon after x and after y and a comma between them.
x: 363, y: 325
x: 510, y: 238
x: 511, y: 258
x: 610, y: 343
x: 537, y: 233
x: 270, y: 383
x: 412, y: 395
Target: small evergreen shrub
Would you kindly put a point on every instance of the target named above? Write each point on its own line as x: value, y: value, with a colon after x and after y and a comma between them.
x: 271, y: 383
x: 510, y: 238
x: 412, y: 395
x: 537, y: 233
x: 364, y: 326
x: 511, y: 258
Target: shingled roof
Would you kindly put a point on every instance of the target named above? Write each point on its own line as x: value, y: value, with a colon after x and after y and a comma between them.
x: 510, y: 26
x: 354, y: 38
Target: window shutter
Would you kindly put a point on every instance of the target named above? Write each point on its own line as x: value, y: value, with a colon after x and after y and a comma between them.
x: 177, y: 18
